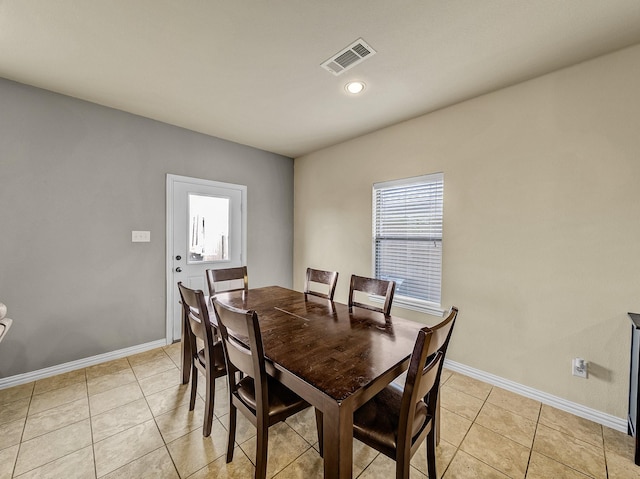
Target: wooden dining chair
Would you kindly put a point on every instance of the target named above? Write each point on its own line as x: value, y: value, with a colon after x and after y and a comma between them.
x: 378, y: 287
x: 330, y: 278
x: 261, y: 398
x: 229, y: 274
x: 397, y: 420
x: 210, y: 359
x: 440, y: 342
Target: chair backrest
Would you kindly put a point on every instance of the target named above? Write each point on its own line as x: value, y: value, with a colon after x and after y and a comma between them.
x: 442, y: 332
x: 423, y: 375
x: 329, y: 278
x: 421, y: 379
x: 239, y: 328
x: 440, y: 342
x: 229, y: 274
x: 378, y: 287
x: 196, y: 318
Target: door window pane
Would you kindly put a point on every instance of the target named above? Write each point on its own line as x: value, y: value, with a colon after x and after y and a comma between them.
x: 208, y: 228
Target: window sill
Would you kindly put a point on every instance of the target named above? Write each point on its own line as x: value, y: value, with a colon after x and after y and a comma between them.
x: 412, y: 304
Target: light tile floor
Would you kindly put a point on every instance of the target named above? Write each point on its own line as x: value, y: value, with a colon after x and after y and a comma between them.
x: 130, y: 418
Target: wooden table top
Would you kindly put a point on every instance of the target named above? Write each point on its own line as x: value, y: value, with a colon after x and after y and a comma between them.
x: 321, y: 342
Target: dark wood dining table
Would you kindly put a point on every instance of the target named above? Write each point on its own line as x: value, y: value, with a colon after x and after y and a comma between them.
x: 333, y: 358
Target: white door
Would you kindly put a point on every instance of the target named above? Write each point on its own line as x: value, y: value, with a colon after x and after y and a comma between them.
x: 206, y: 229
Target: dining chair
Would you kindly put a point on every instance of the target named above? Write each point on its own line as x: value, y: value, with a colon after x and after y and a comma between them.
x: 440, y: 342
x: 260, y: 397
x: 210, y: 359
x: 229, y: 274
x: 330, y: 278
x: 397, y: 420
x: 379, y: 287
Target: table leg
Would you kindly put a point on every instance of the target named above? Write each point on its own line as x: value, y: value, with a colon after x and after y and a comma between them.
x: 338, y: 441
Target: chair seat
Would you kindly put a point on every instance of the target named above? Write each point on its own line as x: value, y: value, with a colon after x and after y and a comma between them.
x: 218, y: 357
x: 376, y: 422
x: 281, y: 398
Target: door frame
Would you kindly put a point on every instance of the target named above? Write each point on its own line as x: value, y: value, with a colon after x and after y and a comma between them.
x: 171, y: 180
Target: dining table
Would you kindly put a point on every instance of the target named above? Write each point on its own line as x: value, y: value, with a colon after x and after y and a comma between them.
x: 334, y: 357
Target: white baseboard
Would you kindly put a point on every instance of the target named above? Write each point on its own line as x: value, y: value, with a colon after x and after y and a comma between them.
x: 594, y: 415
x: 78, y: 364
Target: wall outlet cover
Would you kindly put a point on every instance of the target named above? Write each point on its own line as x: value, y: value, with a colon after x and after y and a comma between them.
x: 140, y: 236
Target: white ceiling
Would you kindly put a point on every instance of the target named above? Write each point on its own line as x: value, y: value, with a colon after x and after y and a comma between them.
x: 249, y: 71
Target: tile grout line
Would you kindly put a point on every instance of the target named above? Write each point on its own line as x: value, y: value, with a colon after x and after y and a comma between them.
x: 458, y: 446
x: 486, y: 401
x: 24, y: 426
x: 297, y: 457
x: 535, y: 432
x: 604, y: 453
x: 538, y: 423
x: 93, y: 443
x: 40, y: 435
x: 164, y: 442
x: 136, y: 380
x: 368, y: 466
x: 467, y: 433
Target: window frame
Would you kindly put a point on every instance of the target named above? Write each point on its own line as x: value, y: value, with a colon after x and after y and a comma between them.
x: 407, y: 302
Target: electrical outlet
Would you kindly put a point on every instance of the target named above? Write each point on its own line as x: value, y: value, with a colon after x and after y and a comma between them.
x: 579, y: 367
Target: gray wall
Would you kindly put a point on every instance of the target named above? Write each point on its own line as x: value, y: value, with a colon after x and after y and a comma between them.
x: 75, y: 180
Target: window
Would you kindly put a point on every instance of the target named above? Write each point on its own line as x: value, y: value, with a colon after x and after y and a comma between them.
x: 208, y: 228
x: 407, y: 239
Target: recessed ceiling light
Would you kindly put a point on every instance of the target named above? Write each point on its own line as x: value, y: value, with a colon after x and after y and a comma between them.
x: 354, y: 87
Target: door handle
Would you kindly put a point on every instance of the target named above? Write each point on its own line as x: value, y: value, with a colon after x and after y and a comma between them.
x: 178, y: 269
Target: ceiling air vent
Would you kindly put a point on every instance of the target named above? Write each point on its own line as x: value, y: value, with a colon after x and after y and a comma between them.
x: 355, y: 53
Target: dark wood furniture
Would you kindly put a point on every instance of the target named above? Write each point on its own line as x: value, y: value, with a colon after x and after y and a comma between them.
x: 440, y: 342
x: 229, y: 274
x: 397, y: 420
x: 634, y: 384
x: 334, y: 359
x: 210, y: 359
x: 261, y: 398
x: 378, y: 287
x: 330, y: 278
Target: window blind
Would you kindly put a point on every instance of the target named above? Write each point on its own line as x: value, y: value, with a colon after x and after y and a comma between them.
x: 408, y: 235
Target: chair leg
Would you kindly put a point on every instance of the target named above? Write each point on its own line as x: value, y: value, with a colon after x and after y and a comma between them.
x: 431, y: 453
x: 194, y: 387
x: 403, y: 463
x: 319, y: 419
x: 186, y: 353
x: 261, y: 450
x: 208, y: 405
x: 437, y: 418
x: 232, y: 430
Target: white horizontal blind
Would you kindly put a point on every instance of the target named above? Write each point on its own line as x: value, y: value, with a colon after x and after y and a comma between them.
x: 407, y: 235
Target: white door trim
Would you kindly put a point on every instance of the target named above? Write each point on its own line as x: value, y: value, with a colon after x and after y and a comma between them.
x: 171, y: 180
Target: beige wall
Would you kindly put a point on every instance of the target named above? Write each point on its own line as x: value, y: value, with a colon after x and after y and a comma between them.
x: 542, y: 222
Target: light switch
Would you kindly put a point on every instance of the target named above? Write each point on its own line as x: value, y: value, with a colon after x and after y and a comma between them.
x: 140, y: 236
